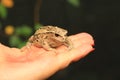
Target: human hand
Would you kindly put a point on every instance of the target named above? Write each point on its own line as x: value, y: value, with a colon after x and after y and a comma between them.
x: 39, y: 64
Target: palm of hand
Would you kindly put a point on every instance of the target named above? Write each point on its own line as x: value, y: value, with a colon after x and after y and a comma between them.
x: 38, y: 63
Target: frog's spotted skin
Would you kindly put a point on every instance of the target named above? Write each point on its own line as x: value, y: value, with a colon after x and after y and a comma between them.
x: 50, y: 37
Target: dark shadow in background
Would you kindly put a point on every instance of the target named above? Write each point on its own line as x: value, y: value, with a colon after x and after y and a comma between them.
x: 100, y: 18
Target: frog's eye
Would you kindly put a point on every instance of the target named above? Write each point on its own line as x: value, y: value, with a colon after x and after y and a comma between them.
x: 57, y: 35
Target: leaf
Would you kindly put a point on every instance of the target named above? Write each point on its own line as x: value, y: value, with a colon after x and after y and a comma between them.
x: 37, y: 26
x: 14, y: 41
x: 3, y: 11
x: 21, y: 44
x: 23, y: 30
x: 18, y: 30
x: 26, y: 30
x: 75, y: 3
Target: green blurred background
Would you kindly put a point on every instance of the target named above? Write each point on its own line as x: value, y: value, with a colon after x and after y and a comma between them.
x: 101, y: 18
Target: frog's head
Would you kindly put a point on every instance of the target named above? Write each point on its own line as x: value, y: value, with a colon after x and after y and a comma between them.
x: 60, y: 31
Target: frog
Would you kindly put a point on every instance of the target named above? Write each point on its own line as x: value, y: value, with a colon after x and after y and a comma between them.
x: 50, y: 38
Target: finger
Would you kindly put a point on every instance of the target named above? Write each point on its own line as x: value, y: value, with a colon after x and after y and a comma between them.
x: 82, y: 41
x: 80, y: 52
x: 82, y: 38
x: 79, y: 36
x: 78, y: 40
x: 74, y: 55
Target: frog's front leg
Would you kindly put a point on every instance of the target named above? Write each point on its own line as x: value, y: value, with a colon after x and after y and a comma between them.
x: 68, y: 43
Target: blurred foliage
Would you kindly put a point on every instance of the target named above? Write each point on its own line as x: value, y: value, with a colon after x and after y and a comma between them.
x: 7, y: 3
x: 4, y: 4
x: 21, y: 35
x: 75, y: 3
x: 3, y: 11
x: 23, y: 30
x: 37, y: 26
x: 18, y: 35
x: 9, y: 29
x: 16, y: 41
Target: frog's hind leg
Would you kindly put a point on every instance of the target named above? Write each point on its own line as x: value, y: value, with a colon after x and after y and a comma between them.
x: 27, y: 47
x: 47, y: 47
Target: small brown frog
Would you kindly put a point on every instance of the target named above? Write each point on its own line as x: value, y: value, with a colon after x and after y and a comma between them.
x: 50, y: 37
